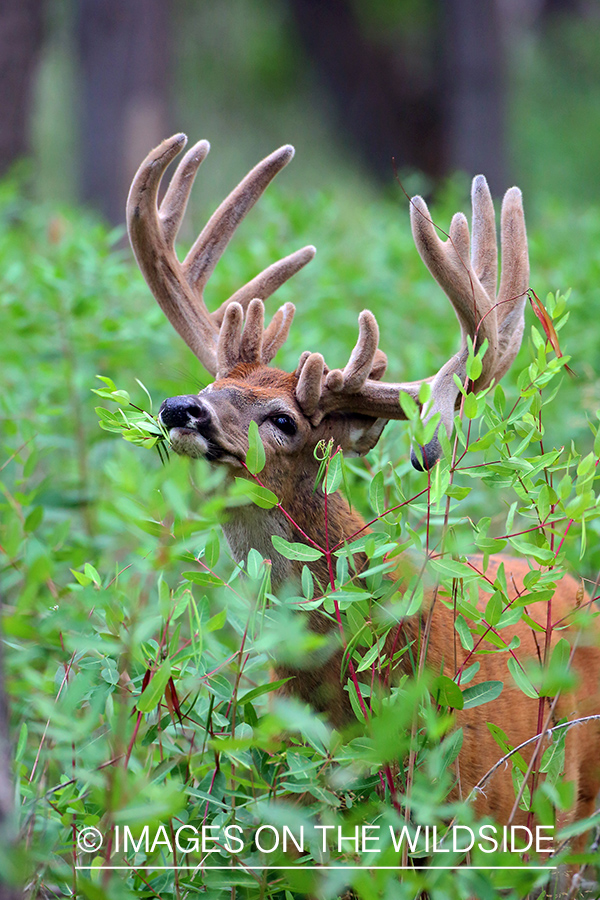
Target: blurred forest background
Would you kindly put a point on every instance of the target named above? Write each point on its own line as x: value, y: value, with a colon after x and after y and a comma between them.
x: 507, y: 87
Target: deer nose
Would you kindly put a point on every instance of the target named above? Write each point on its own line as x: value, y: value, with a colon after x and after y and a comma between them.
x: 182, y: 412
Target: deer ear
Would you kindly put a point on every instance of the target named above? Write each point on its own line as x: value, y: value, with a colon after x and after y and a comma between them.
x: 355, y: 434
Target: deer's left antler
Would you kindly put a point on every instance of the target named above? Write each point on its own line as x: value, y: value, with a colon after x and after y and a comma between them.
x: 470, y: 281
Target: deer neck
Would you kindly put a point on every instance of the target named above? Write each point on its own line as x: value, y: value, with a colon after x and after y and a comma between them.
x: 253, y: 527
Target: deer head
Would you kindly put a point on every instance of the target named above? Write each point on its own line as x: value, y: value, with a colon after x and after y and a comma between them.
x: 294, y: 411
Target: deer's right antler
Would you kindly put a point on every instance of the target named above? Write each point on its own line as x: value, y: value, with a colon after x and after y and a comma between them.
x: 215, y: 338
x: 470, y: 282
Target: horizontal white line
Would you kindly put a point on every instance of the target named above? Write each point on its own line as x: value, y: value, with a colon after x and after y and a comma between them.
x: 324, y: 868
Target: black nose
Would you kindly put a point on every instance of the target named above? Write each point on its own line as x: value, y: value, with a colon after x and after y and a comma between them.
x: 187, y: 411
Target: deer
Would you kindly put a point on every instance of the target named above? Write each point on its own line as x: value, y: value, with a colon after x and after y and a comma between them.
x: 295, y: 411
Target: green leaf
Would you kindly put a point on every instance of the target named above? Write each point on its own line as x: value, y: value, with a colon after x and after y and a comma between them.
x: 92, y: 574
x: 369, y: 657
x: 34, y: 519
x: 254, y: 564
x: 456, y: 492
x: 255, y: 457
x: 447, y: 693
x: 259, y: 495
x: 481, y: 693
x: 424, y: 393
x: 499, y: 399
x: 469, y: 673
x: 308, y: 585
x: 354, y: 698
x: 201, y: 578
x: 146, y: 391
x: 542, y: 555
x: 377, y: 493
x: 474, y: 367
x: 560, y: 655
x: 493, y: 609
x: 155, y: 689
x: 216, y: 622
x: 470, y: 406
x: 454, y: 569
x: 521, y: 679
x: 84, y: 580
x: 451, y: 747
x: 107, y: 381
x: 553, y: 759
x: 466, y: 638
x: 579, y: 827
x: 22, y: 742
x: 303, y: 552
x: 334, y: 474
x: 262, y: 689
x: 212, y: 549
x: 409, y: 406
x: 543, y: 502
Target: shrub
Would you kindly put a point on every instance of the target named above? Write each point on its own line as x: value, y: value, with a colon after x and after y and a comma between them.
x: 138, y: 652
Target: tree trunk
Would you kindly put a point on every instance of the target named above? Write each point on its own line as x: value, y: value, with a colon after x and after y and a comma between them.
x: 124, y: 51
x: 7, y: 835
x: 21, y: 26
x: 388, y: 109
x: 476, y: 90
x: 443, y: 114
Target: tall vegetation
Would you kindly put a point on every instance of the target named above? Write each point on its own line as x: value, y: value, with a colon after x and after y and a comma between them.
x: 137, y: 652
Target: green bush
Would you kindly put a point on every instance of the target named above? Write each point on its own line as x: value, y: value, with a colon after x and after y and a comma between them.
x: 137, y: 652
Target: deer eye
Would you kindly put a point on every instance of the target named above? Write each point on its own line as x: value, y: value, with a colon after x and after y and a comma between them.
x: 285, y: 424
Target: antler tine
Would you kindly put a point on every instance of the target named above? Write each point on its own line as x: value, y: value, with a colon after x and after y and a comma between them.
x: 358, y: 367
x: 252, y: 335
x: 277, y: 331
x: 229, y: 342
x: 214, y: 237
x: 152, y: 233
x: 484, y: 245
x: 172, y: 209
x: 514, y: 282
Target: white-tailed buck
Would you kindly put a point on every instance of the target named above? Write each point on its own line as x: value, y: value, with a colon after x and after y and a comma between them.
x: 295, y: 411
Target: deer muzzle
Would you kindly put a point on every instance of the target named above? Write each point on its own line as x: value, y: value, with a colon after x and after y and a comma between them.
x: 189, y: 422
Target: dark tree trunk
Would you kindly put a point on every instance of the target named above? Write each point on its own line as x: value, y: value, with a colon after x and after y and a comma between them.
x: 7, y: 835
x: 21, y: 26
x: 388, y: 109
x: 442, y: 114
x: 125, y: 55
x: 476, y: 90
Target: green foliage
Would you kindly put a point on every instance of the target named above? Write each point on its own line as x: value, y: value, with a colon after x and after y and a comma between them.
x: 137, y: 651
x: 255, y: 458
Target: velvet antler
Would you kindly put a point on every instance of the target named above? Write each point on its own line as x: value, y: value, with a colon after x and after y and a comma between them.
x: 470, y: 282
x: 216, y: 337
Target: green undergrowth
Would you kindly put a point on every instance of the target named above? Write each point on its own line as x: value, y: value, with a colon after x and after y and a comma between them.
x: 137, y: 653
